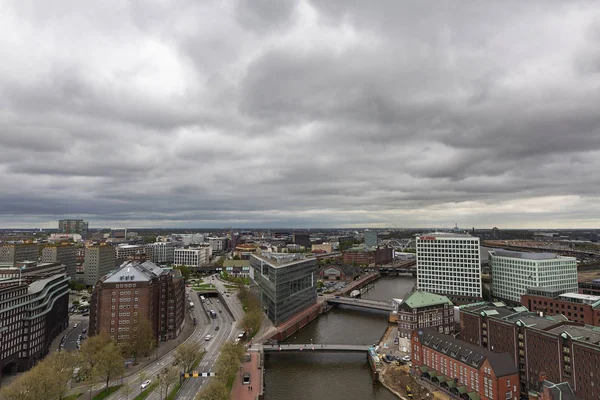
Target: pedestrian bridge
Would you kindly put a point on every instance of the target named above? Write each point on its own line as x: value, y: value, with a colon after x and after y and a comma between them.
x: 363, y: 303
x: 283, y: 347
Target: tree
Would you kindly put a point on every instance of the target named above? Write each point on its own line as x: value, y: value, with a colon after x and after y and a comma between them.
x: 110, y: 363
x: 229, y: 362
x: 142, y: 341
x: 185, y: 272
x: 18, y: 390
x: 91, y: 350
x: 215, y: 390
x: 60, y: 366
x: 142, y: 376
x: 187, y: 354
x: 127, y: 391
x: 166, y: 379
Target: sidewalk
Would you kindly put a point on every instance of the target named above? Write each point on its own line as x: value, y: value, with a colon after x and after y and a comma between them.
x: 240, y: 391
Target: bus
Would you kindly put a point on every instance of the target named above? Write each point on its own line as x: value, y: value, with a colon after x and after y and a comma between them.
x: 213, y: 314
x: 202, y: 299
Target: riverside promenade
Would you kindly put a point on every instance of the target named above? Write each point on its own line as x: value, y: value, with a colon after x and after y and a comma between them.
x: 254, y: 367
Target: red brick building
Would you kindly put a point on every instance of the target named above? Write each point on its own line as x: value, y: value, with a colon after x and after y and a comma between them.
x: 542, y: 347
x: 582, y: 308
x: 137, y: 291
x: 364, y: 255
x: 464, y: 370
x: 342, y: 272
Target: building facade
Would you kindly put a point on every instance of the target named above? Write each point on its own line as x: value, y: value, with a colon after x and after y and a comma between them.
x: 217, y: 244
x: 237, y: 267
x: 301, y: 239
x: 513, y: 272
x: 449, y: 264
x: 134, y: 252
x: 162, y: 252
x: 138, y: 291
x: 31, y: 316
x: 343, y: 272
x: 424, y: 310
x: 590, y: 287
x: 371, y: 238
x: 73, y: 226
x: 192, y: 257
x: 13, y: 253
x: 465, y: 370
x: 582, y: 308
x: 364, y: 255
x: 287, y: 283
x: 323, y: 247
x: 542, y: 347
x: 99, y: 261
x: 64, y: 254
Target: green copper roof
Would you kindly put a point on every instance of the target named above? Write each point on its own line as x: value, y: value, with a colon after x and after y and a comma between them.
x: 419, y: 298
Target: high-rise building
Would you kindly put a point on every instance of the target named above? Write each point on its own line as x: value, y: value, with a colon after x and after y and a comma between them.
x: 73, y: 226
x: 64, y: 254
x: 287, y: 283
x: 14, y: 253
x: 31, y: 315
x: 218, y: 244
x: 449, y: 264
x: 514, y: 272
x: 137, y: 252
x: 99, y: 261
x: 302, y: 239
x: 162, y: 252
x: 135, y: 291
x: 192, y: 257
x: 371, y: 238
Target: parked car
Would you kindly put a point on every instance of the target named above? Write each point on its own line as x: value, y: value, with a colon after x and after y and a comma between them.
x: 406, y: 359
x: 216, y: 328
x: 207, y: 337
x: 145, y: 384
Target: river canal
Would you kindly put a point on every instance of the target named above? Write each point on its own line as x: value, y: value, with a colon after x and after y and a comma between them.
x: 335, y: 376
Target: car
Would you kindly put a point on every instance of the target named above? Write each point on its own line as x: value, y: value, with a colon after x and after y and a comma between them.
x: 84, y: 330
x: 216, y: 328
x: 75, y: 326
x: 246, y: 379
x: 207, y: 337
x: 406, y: 358
x: 217, y: 300
x: 145, y: 384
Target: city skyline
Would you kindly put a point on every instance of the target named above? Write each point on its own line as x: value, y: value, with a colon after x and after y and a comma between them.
x: 300, y: 114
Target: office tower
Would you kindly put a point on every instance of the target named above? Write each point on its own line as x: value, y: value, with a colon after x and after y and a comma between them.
x: 302, y: 239
x: 10, y: 253
x: 371, y: 238
x: 99, y: 261
x: 162, y: 252
x: 73, y: 226
x: 64, y: 254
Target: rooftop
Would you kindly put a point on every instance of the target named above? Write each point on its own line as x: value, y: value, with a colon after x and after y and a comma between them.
x: 448, y: 235
x: 467, y: 353
x: 587, y: 334
x: 282, y: 259
x: 39, y: 285
x: 583, y: 298
x: 524, y: 255
x: 133, y: 271
x: 419, y: 298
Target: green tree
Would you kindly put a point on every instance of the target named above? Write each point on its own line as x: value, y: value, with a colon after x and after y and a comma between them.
x: 185, y: 272
x: 127, y: 391
x: 166, y: 379
x: 142, y: 340
x: 187, y: 353
x: 141, y: 377
x: 215, y: 390
x: 110, y: 363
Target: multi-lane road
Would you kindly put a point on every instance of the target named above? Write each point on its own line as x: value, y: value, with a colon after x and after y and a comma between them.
x: 228, y: 330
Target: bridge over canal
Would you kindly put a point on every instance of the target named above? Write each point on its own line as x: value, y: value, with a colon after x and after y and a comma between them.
x: 363, y: 303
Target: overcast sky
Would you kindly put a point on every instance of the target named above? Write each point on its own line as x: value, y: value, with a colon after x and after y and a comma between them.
x: 267, y: 113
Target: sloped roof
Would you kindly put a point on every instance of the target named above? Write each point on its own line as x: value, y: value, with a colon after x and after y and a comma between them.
x: 419, y: 298
x: 133, y: 271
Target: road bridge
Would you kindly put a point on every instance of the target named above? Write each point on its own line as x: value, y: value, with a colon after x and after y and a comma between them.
x: 283, y: 347
x: 363, y: 303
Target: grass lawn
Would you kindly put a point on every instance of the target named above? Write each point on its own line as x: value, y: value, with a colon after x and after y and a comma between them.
x: 146, y: 392
x: 203, y: 286
x: 231, y: 286
x: 72, y: 397
x: 105, y: 393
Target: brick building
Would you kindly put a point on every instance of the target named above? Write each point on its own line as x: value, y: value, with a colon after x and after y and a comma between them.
x: 582, y: 308
x: 364, y: 255
x: 344, y: 272
x: 31, y: 316
x: 591, y: 287
x: 463, y: 369
x: 542, y: 347
x: 138, y: 290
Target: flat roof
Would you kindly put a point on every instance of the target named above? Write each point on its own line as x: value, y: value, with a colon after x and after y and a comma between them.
x: 524, y: 255
x: 282, y: 259
x: 586, y: 333
x: 587, y: 297
x: 449, y: 235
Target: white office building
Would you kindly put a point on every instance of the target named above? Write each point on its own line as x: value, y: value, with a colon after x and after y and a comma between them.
x: 449, y: 264
x: 161, y: 252
x: 513, y: 272
x: 193, y: 257
x: 217, y: 243
x: 130, y: 251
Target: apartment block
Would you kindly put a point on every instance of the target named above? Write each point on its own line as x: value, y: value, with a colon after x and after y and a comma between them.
x: 13, y: 253
x: 513, y: 272
x: 31, y: 316
x: 449, y: 264
x: 464, y: 370
x: 99, y: 261
x: 135, y: 291
x: 73, y: 226
x: 64, y: 254
x: 542, y: 347
x: 162, y: 252
x: 287, y: 283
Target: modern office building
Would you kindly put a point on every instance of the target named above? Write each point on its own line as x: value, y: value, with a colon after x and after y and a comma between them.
x: 371, y: 238
x: 542, y: 347
x: 590, y: 287
x: 99, y: 261
x: 30, y: 271
x: 12, y: 253
x: 73, y: 226
x: 287, y: 283
x: 449, y: 264
x: 31, y: 316
x: 424, y: 310
x: 301, y: 239
x: 465, y: 370
x: 135, y: 252
x: 577, y: 307
x: 513, y: 272
x: 192, y: 257
x: 135, y: 291
x: 217, y: 244
x: 162, y: 252
x: 64, y: 254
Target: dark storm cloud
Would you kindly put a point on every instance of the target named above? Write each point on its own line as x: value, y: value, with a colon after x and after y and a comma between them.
x: 300, y: 113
